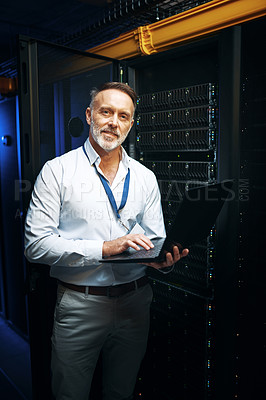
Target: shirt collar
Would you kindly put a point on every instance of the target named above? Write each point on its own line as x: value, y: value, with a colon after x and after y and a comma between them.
x: 94, y: 157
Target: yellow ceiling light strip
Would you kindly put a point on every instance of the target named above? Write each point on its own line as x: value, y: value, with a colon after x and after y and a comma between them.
x: 194, y: 23
x: 204, y: 20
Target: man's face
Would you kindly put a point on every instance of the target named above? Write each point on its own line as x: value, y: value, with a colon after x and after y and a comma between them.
x: 110, y: 119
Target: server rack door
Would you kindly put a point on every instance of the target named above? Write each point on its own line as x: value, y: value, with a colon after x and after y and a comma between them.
x: 55, y: 84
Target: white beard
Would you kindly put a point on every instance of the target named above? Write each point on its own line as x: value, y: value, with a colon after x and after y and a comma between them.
x: 105, y: 142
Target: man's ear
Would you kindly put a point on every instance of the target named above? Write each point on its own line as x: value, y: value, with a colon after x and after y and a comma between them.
x: 88, y: 115
x: 132, y: 122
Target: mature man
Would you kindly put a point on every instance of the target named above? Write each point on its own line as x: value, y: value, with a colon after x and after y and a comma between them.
x: 92, y: 202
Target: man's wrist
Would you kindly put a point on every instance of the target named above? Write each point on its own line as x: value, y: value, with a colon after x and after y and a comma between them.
x: 106, y: 249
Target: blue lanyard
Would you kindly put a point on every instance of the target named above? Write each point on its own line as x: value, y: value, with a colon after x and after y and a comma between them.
x: 110, y: 193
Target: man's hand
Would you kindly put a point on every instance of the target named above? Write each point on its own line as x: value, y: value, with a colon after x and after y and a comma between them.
x: 121, y: 244
x: 171, y: 258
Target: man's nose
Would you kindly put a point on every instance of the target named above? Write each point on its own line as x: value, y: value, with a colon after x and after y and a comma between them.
x: 113, y: 120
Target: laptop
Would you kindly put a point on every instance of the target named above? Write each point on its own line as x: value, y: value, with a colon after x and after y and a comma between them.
x: 194, y: 219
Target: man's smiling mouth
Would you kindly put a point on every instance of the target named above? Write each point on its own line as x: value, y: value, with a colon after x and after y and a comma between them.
x: 107, y: 132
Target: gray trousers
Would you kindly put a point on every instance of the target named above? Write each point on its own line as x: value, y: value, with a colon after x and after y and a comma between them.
x: 86, y: 324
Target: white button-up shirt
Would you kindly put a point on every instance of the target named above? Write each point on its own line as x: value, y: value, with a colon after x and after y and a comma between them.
x: 70, y: 216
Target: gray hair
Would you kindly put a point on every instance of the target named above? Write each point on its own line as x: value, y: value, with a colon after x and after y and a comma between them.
x: 123, y: 87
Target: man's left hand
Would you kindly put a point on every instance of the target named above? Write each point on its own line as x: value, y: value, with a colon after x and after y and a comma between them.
x: 171, y: 258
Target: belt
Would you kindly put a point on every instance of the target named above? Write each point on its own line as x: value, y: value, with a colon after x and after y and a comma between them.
x: 110, y: 291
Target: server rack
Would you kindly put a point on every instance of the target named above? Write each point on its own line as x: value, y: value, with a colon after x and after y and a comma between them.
x: 185, y: 102
x: 176, y: 136
x: 201, y: 118
x: 251, y: 337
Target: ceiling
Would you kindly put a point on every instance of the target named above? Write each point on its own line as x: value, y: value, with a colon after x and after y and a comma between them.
x: 43, y: 19
x: 76, y: 23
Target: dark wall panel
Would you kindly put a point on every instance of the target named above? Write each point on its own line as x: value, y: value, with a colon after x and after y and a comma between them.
x: 13, y: 284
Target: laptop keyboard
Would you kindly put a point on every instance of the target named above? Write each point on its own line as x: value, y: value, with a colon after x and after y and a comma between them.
x: 152, y: 253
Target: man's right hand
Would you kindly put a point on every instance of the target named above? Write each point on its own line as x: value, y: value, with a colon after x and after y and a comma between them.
x: 121, y: 244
